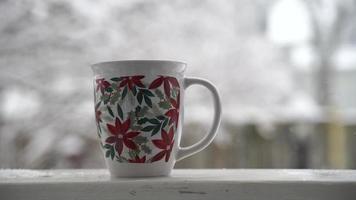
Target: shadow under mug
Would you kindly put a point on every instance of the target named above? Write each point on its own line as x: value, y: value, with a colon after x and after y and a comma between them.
x: 139, y: 115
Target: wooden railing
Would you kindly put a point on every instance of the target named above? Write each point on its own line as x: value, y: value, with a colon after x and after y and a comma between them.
x: 182, y: 184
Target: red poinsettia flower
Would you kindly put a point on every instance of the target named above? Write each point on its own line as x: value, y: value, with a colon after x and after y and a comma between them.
x: 121, y: 135
x: 167, y: 82
x: 101, y: 84
x: 138, y: 160
x: 173, y: 113
x: 166, y: 144
x: 131, y: 81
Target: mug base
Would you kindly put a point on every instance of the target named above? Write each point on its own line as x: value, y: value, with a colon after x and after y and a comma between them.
x: 136, y: 170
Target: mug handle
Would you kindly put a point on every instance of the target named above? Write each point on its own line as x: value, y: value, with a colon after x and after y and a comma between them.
x: 184, y: 152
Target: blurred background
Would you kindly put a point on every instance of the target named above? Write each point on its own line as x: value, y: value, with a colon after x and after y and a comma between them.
x: 286, y: 71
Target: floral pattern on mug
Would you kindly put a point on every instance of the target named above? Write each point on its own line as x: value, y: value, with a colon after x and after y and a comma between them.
x: 137, y: 121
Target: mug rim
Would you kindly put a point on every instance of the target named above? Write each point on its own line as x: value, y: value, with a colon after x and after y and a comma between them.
x: 114, y: 62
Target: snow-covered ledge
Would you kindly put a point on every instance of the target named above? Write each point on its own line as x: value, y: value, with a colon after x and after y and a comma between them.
x: 183, y: 184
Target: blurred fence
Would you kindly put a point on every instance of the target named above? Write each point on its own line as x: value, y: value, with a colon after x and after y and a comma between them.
x: 287, y: 145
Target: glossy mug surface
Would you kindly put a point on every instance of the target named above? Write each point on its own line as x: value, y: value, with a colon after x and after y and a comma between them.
x: 139, y: 115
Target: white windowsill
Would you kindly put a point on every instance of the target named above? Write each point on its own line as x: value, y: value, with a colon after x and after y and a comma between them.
x: 182, y: 184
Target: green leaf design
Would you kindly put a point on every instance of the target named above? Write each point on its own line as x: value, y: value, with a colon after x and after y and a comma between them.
x: 98, y: 104
x: 142, y: 121
x: 148, y: 101
x: 139, y: 97
x: 107, y: 146
x: 134, y: 91
x: 124, y: 93
x: 110, y: 111
x: 164, y: 104
x: 155, y: 131
x: 164, y: 124
x: 148, y: 93
x: 116, y: 79
x: 112, y: 154
x: 148, y: 128
x: 109, y: 89
x: 154, y: 121
x: 119, y: 111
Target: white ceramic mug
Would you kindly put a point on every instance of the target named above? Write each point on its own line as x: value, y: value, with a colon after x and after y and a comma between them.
x: 139, y: 115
